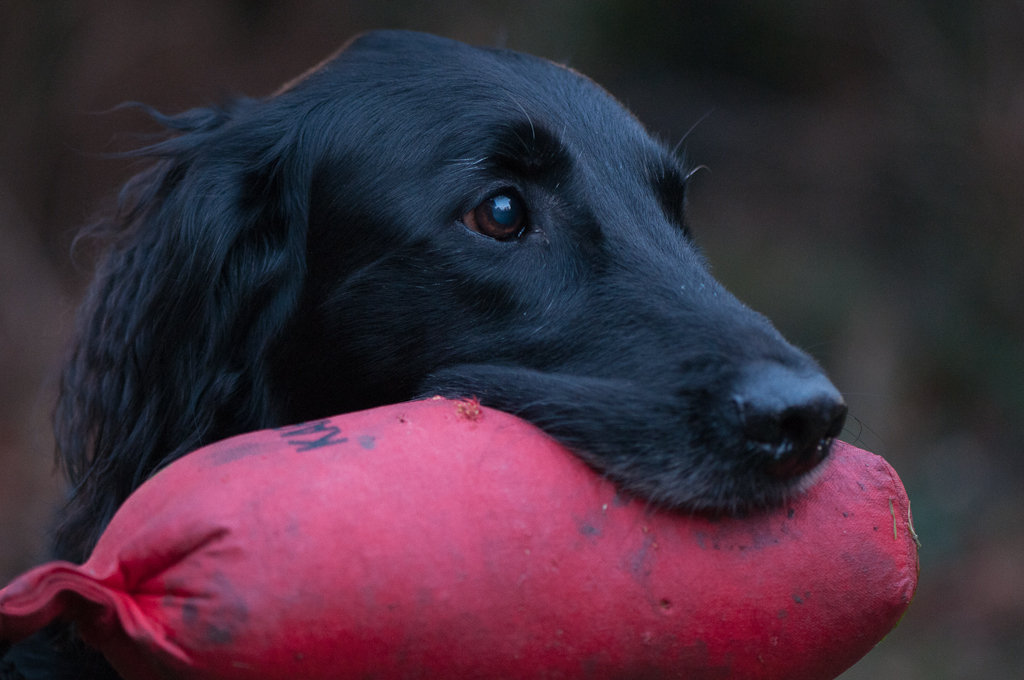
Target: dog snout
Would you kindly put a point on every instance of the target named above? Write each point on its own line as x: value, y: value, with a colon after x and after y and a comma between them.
x: 788, y: 417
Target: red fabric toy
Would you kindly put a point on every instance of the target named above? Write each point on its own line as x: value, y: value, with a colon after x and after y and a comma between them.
x: 439, y: 539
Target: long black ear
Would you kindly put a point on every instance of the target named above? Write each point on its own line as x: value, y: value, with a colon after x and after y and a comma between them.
x: 206, y: 267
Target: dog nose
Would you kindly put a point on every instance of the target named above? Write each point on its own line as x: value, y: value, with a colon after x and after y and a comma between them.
x: 789, y: 417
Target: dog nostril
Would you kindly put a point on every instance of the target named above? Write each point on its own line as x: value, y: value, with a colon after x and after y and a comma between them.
x: 789, y: 418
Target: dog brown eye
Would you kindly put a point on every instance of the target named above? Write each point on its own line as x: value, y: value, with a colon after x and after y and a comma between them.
x: 501, y: 217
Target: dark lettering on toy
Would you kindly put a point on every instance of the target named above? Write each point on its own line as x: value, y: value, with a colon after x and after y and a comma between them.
x: 323, y: 432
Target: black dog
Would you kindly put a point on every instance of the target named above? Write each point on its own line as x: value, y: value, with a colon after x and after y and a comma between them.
x: 419, y: 217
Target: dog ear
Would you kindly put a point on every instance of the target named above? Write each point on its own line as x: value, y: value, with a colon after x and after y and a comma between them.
x: 206, y: 267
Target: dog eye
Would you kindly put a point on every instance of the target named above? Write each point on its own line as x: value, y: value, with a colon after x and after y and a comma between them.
x: 500, y: 217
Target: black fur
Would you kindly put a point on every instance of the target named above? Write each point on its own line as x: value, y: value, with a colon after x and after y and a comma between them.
x: 304, y: 255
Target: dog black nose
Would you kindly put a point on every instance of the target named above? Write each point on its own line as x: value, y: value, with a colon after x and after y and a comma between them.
x: 789, y: 417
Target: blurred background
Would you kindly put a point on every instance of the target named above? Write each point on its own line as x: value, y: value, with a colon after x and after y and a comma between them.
x: 866, y: 192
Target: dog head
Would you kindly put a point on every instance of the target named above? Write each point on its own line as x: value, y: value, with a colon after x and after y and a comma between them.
x: 491, y: 224
x: 418, y: 217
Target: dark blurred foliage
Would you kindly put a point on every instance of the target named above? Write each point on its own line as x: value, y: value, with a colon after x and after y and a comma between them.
x: 866, y: 191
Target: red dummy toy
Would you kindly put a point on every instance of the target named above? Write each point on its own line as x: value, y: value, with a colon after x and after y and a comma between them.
x: 440, y: 539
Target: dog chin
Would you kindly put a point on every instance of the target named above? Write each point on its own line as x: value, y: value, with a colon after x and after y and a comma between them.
x: 675, y: 455
x: 703, y: 487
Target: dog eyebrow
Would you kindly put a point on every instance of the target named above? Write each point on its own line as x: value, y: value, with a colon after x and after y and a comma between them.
x: 529, y: 149
x: 669, y: 183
